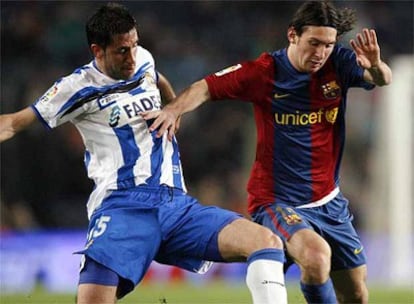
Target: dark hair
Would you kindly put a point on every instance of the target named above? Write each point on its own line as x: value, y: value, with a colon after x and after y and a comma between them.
x: 323, y: 13
x: 109, y: 20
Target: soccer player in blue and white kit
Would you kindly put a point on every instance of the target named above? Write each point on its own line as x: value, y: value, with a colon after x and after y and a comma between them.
x: 139, y: 210
x: 299, y: 97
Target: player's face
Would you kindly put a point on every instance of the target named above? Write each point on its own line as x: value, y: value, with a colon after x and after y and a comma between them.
x: 309, y: 52
x: 118, y: 60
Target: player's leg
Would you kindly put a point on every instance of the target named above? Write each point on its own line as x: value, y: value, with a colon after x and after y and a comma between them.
x: 92, y: 294
x: 97, y: 283
x: 313, y: 256
x: 350, y: 285
x: 243, y: 239
x: 348, y: 264
x: 197, y: 233
x: 118, y: 252
x: 307, y: 248
x: 239, y: 239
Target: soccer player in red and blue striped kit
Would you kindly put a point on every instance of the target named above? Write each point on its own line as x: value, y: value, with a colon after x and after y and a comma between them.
x: 299, y: 95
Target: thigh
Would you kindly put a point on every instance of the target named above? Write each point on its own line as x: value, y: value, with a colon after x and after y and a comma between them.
x: 306, y: 247
x: 191, y: 232
x: 239, y: 239
x: 300, y: 231
x: 350, y: 285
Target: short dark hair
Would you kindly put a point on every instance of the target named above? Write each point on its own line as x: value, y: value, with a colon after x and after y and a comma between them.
x: 323, y: 13
x: 109, y: 20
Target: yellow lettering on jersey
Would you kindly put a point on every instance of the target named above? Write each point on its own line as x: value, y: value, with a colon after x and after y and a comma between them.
x: 303, y: 119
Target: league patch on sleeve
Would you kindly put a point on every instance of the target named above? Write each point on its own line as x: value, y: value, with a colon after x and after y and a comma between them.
x: 49, y: 94
x: 228, y: 70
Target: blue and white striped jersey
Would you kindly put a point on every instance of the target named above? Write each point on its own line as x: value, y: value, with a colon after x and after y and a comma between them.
x: 120, y: 152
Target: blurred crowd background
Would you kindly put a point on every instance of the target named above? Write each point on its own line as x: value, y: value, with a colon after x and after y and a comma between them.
x: 43, y: 179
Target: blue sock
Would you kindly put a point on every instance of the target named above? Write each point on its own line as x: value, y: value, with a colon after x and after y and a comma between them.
x: 324, y: 293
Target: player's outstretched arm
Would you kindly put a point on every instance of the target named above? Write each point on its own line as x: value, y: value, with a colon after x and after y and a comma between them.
x: 10, y: 124
x: 367, y: 50
x: 165, y: 120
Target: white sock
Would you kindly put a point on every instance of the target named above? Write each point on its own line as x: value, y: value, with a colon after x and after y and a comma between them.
x: 266, y: 282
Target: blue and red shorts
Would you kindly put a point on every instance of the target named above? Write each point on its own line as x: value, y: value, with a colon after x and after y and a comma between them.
x: 333, y: 221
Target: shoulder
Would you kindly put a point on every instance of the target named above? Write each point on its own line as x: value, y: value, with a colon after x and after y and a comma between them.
x: 80, y: 76
x: 144, y: 54
x: 340, y: 52
x: 265, y: 60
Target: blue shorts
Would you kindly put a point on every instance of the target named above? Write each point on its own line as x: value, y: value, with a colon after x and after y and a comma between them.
x: 133, y: 227
x: 333, y: 221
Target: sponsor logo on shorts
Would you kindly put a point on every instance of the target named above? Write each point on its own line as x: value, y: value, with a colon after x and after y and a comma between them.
x: 358, y: 250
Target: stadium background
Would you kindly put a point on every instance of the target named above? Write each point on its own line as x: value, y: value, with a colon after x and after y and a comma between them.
x: 43, y: 182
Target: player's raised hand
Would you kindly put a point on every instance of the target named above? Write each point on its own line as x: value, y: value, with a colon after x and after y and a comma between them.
x: 366, y: 49
x: 165, y: 120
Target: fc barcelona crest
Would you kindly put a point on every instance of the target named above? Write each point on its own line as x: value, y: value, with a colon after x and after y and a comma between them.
x: 289, y: 215
x: 331, y: 90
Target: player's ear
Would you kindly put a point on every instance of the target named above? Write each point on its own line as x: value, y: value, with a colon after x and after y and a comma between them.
x: 292, y: 35
x: 97, y: 50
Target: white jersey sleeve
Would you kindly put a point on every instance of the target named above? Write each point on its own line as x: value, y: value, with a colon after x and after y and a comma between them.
x: 120, y: 152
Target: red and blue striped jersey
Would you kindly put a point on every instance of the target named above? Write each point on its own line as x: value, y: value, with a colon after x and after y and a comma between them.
x: 300, y: 123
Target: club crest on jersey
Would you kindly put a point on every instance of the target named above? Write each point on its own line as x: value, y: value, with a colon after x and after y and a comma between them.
x: 331, y: 90
x: 150, y: 80
x: 228, y: 70
x: 289, y: 215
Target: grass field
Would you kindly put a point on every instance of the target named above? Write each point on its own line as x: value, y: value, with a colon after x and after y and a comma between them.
x: 213, y: 293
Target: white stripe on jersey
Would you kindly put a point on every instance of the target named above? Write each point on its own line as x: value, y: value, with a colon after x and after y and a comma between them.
x: 120, y: 150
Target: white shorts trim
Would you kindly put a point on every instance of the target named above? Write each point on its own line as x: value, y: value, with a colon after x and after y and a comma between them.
x: 323, y: 200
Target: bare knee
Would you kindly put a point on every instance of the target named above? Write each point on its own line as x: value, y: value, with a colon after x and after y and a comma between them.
x: 269, y: 240
x: 242, y: 237
x: 316, y: 264
x: 312, y: 254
